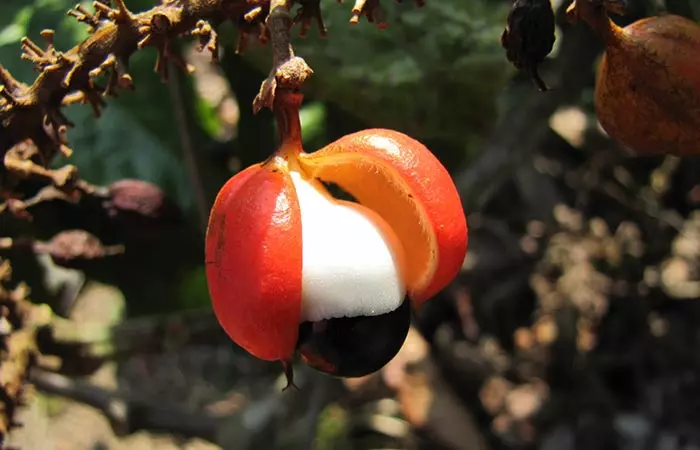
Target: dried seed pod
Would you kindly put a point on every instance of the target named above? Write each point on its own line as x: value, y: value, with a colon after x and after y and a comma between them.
x: 140, y: 208
x: 75, y: 249
x: 141, y: 198
x: 529, y: 36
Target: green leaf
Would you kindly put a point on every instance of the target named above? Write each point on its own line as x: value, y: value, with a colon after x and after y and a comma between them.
x: 13, y: 32
x: 118, y: 145
x: 208, y: 117
x: 313, y: 124
x: 194, y: 290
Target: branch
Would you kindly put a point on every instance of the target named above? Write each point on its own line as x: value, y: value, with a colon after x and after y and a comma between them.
x: 288, y: 71
x: 19, y: 322
x: 126, y: 413
x: 189, y: 152
x: 68, y: 77
x: 72, y: 248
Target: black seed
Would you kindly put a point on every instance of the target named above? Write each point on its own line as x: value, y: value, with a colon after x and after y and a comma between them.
x: 338, y: 192
x: 354, y: 346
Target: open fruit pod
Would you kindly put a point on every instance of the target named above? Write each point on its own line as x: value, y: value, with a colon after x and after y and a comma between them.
x: 292, y: 269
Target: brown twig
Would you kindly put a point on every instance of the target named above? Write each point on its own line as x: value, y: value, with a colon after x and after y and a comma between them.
x: 288, y: 71
x: 127, y: 413
x: 310, y: 12
x: 19, y: 322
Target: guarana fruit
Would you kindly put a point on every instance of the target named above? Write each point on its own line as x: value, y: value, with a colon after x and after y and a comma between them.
x: 647, y: 93
x: 293, y: 270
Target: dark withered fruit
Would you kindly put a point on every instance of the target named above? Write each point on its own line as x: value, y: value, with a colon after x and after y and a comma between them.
x: 529, y: 36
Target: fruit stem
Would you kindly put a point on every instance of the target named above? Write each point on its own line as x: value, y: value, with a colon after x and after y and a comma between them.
x: 593, y: 12
x: 286, y: 108
x: 289, y: 375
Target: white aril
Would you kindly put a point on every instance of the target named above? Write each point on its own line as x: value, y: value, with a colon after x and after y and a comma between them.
x: 348, y: 267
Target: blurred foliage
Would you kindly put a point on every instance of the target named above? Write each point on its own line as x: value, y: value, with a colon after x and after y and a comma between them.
x: 193, y: 290
x: 333, y: 424
x: 433, y: 73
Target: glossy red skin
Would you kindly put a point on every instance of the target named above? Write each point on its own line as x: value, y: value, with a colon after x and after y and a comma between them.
x: 430, y: 185
x: 253, y: 261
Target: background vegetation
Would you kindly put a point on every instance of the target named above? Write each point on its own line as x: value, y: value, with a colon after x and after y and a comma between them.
x: 573, y: 325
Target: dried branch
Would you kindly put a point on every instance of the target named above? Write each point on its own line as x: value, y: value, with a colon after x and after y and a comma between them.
x: 25, y: 161
x: 19, y: 322
x: 137, y: 208
x: 372, y: 10
x: 34, y: 112
x: 67, y: 77
x: 244, y: 428
x: 309, y: 13
x: 73, y: 248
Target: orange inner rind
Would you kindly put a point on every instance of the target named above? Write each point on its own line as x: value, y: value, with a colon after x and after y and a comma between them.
x: 380, y: 188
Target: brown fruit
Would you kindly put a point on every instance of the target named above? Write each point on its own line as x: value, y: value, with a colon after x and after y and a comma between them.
x: 140, y: 209
x: 648, y: 84
x: 140, y: 198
